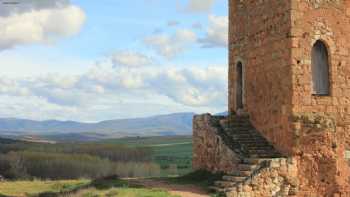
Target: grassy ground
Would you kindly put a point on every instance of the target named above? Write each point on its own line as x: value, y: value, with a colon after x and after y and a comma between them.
x: 28, y: 188
x: 82, y: 188
x: 124, y: 192
x: 201, y: 178
x: 193, y: 184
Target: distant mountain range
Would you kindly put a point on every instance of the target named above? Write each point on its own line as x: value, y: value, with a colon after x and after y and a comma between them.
x: 161, y: 125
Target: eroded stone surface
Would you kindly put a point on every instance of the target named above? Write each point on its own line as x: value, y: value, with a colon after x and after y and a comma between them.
x: 209, y: 151
x: 277, y: 179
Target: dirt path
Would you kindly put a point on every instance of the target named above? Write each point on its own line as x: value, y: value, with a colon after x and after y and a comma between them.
x: 175, y: 189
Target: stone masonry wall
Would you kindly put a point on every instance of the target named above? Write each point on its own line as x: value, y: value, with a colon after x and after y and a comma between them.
x: 322, y: 150
x: 259, y: 35
x: 273, y: 40
x: 276, y: 179
x: 316, y: 154
x: 209, y: 151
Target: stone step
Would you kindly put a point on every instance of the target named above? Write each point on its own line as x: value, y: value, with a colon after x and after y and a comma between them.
x: 262, y: 151
x: 235, y: 179
x: 255, y: 144
x: 246, y: 135
x: 237, y: 129
x: 239, y: 124
x: 252, y: 141
x: 253, y: 161
x: 224, y: 184
x: 247, y: 167
x: 247, y: 140
x: 239, y: 118
x: 240, y: 131
x: 258, y: 149
x: 265, y: 156
x: 258, y: 146
x: 217, y: 189
x: 244, y: 173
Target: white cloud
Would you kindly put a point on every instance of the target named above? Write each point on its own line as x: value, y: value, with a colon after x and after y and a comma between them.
x: 39, y: 23
x: 217, y: 32
x: 192, y: 86
x: 130, y: 59
x: 103, y: 92
x: 199, y: 5
x: 173, y: 45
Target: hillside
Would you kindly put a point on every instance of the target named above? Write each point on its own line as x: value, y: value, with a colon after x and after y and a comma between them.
x: 161, y: 125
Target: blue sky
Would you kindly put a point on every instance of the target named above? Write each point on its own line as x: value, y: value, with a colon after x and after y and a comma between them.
x: 96, y: 60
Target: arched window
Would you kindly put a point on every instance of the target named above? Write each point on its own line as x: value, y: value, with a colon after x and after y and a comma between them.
x: 320, y: 69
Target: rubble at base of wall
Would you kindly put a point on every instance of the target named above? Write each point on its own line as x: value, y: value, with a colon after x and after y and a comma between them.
x: 276, y: 179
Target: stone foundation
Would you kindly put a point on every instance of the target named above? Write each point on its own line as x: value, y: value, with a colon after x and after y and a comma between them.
x: 276, y: 179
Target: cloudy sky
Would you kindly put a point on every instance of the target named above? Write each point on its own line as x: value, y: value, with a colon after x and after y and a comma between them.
x: 108, y: 59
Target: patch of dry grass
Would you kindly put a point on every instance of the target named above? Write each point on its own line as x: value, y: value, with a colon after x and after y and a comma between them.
x: 25, y: 188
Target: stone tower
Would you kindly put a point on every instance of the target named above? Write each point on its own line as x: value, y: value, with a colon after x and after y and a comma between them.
x: 289, y: 76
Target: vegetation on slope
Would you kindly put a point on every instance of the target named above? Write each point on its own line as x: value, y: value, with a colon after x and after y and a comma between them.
x: 128, y: 157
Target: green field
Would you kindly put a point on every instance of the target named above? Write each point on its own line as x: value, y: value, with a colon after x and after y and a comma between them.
x: 150, y: 141
x: 172, y: 153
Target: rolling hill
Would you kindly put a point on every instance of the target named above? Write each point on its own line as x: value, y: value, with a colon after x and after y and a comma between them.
x: 161, y: 125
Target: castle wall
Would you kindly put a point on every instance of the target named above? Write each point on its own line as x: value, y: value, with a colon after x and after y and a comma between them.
x: 260, y: 38
x: 273, y: 40
x: 323, y: 149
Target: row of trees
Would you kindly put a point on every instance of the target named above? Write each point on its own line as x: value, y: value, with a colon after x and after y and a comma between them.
x: 21, y: 160
x: 113, y: 152
x: 28, y: 165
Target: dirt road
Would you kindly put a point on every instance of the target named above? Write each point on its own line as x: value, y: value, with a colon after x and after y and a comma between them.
x: 176, y: 189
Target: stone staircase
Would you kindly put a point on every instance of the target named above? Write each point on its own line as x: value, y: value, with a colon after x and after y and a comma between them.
x: 255, y: 151
x: 239, y: 130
